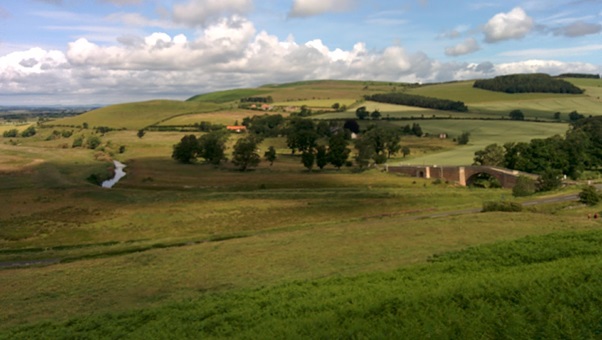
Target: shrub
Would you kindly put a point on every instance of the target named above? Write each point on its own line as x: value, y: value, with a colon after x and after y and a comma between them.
x: 525, y: 186
x: 589, y: 195
x: 502, y: 206
x: 11, y: 133
x: 93, y: 142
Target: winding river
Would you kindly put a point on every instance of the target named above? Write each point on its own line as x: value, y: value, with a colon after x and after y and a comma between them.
x: 119, y: 174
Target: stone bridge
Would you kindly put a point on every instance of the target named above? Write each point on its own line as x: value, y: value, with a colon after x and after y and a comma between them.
x: 463, y: 175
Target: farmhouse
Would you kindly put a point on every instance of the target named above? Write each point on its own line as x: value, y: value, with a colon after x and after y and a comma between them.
x: 236, y: 128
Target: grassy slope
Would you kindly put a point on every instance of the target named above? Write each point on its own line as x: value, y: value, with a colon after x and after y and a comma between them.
x: 538, y: 287
x: 137, y: 115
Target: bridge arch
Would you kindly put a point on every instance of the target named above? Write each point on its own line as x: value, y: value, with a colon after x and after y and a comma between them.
x: 485, y: 175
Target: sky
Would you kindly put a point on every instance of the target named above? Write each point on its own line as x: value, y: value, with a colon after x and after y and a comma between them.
x: 89, y: 52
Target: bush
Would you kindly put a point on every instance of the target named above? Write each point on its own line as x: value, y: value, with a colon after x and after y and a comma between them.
x: 506, y: 206
x: 93, y: 142
x: 78, y: 142
x: 11, y: 133
x: 589, y: 195
x: 525, y: 186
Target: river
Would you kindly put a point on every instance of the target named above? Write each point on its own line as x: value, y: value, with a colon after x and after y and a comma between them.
x: 119, y: 174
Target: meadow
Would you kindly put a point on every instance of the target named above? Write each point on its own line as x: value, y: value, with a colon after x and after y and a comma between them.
x: 194, y: 250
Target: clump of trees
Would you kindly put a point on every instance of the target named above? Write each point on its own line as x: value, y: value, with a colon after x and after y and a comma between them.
x: 579, y: 75
x: 265, y: 125
x: 579, y: 150
x: 210, y: 146
x: 245, y: 154
x: 419, y: 101
x: 527, y: 83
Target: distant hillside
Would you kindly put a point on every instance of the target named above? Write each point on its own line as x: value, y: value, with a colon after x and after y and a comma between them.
x: 527, y: 83
x: 137, y: 115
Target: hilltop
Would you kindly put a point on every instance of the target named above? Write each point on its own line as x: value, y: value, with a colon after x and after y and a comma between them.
x: 322, y: 95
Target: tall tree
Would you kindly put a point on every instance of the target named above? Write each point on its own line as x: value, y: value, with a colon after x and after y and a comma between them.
x: 301, y: 135
x: 186, y: 150
x: 270, y: 155
x: 308, y: 159
x: 245, y: 153
x: 321, y: 156
x: 361, y: 113
x: 492, y: 155
x: 338, y: 153
x: 212, y: 146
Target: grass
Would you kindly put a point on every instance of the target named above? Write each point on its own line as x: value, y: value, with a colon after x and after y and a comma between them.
x: 482, y: 133
x: 226, y: 117
x: 137, y: 115
x: 537, y: 287
x: 227, y: 96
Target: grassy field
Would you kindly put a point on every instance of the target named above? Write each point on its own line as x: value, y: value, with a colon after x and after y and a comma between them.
x: 482, y: 133
x: 137, y: 115
x: 183, y: 251
x: 226, y: 117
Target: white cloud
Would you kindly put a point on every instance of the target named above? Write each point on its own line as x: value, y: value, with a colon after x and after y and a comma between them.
x: 553, y: 52
x: 227, y: 54
x: 468, y: 46
x: 306, y: 8
x: 196, y: 13
x: 505, y: 26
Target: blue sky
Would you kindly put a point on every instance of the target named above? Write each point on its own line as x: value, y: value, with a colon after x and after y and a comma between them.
x: 111, y: 51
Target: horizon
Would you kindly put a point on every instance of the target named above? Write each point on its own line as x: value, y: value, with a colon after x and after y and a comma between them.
x: 102, y: 52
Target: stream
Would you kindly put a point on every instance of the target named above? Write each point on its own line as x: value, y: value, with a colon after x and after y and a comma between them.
x: 119, y: 174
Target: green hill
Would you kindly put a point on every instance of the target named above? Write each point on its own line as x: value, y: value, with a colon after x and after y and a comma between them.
x: 137, y: 115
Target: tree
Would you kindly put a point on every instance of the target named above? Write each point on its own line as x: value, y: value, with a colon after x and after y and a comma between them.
x: 321, y: 156
x: 85, y: 125
x: 212, y: 146
x: 352, y: 125
x: 270, y: 155
x: 557, y: 115
x: 301, y: 135
x: 11, y: 133
x: 141, y: 133
x: 338, y: 153
x: 187, y: 150
x: 405, y: 151
x: 93, y: 142
x: 361, y: 113
x: 245, y: 153
x: 575, y: 116
x: 549, y: 180
x: 375, y: 114
x: 464, y: 138
x: 589, y: 195
x: 492, y: 155
x: 516, y: 115
x: 525, y: 186
x: 308, y: 158
x: 416, y: 130
x: 30, y: 131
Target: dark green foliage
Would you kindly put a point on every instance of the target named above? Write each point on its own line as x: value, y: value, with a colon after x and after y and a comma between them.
x: 375, y: 114
x: 270, y: 155
x: 492, y: 155
x: 549, y: 180
x: 245, y: 153
x: 579, y: 75
x: 93, y: 141
x: 140, y: 133
x: 265, y: 100
x: 308, y: 159
x: 505, y: 206
x: 66, y: 133
x: 419, y: 101
x: 10, y: 133
x: 361, y: 113
x: 575, y: 116
x: 121, y: 148
x: 29, y: 132
x: 516, y: 115
x: 265, y: 125
x: 321, y: 156
x: 301, y: 135
x: 383, y: 143
x: 78, y: 142
x: 416, y: 130
x: 589, y: 195
x: 352, y: 125
x: 539, y: 287
x: 212, y: 146
x: 103, y: 129
x: 525, y: 186
x: 527, y: 83
x: 405, y: 151
x: 85, y: 125
x: 338, y: 153
x: 208, y: 126
x: 464, y: 138
x: 187, y: 150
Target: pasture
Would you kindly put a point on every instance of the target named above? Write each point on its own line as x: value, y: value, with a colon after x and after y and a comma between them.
x: 189, y: 250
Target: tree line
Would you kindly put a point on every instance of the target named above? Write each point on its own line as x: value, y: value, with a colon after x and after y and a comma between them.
x: 318, y: 143
x: 418, y: 101
x: 527, y: 83
x: 580, y: 149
